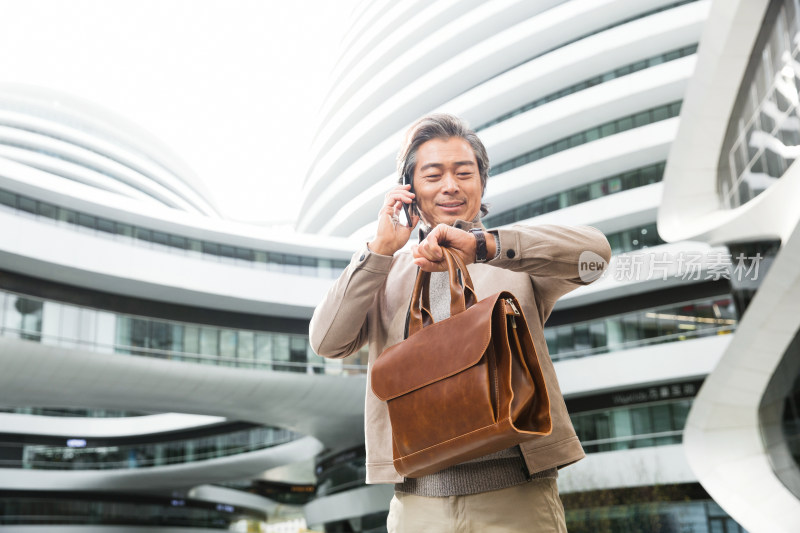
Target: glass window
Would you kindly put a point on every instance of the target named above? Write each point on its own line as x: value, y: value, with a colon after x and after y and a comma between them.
x: 246, y: 346
x: 160, y: 337
x: 640, y: 418
x: 9, y: 199
x: 103, y: 224
x: 580, y: 195
x: 179, y: 242
x: 245, y: 254
x: 662, y: 419
x: 69, y: 327
x: 648, y: 325
x: 263, y: 349
x: 551, y: 204
x: 29, y: 315
x: 210, y: 248
x: 227, y: 346
x: 551, y: 338
x: 68, y: 215
x: 641, y: 119
x: 597, y: 332
x: 86, y: 221
x: 615, y: 332
x: 581, y: 337
x: 608, y: 129
x: 139, y: 335
x: 680, y: 412
x: 621, y: 423
x: 123, y: 334
x: 652, y: 174
x: 308, y: 266
x: 177, y: 338
x: 597, y: 189
x: 209, y: 341
x: 46, y: 210
x: 660, y: 113
x: 630, y: 180
x: 87, y: 327
x: 276, y: 258
x: 124, y: 229
x: 27, y: 204
x: 280, y: 352
x: 631, y: 327
x: 298, y: 347
x: 191, y: 339
x: 160, y: 237
x: 143, y: 234
x: 227, y: 251
x: 565, y: 342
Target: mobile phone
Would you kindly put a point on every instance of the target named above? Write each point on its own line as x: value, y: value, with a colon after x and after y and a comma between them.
x: 408, y: 209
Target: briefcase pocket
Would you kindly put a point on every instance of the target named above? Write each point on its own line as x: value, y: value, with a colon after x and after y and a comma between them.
x: 458, y: 405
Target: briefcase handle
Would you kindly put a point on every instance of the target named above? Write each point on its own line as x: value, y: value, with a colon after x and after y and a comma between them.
x: 462, y: 297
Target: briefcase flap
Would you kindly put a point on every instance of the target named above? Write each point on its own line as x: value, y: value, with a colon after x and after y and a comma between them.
x: 435, y: 352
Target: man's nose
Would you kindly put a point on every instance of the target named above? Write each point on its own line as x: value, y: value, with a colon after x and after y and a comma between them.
x: 449, y: 183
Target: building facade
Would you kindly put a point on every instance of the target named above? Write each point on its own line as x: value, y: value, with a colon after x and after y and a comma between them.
x: 156, y: 368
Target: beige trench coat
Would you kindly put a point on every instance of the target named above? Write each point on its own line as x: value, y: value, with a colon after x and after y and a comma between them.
x: 370, y: 300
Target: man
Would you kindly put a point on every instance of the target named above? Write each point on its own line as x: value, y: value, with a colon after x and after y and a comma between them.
x: 446, y: 167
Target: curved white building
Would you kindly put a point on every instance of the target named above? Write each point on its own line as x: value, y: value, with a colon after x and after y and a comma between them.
x: 155, y: 358
x: 579, y: 104
x: 148, y: 348
x: 75, y: 140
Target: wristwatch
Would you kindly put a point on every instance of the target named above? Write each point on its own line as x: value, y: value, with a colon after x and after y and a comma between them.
x: 480, y: 245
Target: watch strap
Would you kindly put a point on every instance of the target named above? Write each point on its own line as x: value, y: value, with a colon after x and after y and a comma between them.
x: 480, y: 245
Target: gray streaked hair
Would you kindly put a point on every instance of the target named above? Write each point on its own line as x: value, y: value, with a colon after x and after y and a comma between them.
x: 440, y: 126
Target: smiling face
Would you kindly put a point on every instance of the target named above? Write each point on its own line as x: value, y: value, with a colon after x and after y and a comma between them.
x: 447, y: 182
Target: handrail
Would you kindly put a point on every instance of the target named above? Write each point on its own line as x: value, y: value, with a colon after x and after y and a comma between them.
x: 626, y: 345
x: 309, y: 367
x: 145, y: 454
x: 174, y: 355
x: 629, y: 438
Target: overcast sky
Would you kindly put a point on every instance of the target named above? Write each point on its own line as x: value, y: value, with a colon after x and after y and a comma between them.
x: 232, y: 87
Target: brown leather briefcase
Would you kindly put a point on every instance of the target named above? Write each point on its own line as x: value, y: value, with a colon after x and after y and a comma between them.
x: 463, y: 387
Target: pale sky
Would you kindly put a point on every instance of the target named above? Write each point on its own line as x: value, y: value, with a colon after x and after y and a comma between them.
x: 232, y: 87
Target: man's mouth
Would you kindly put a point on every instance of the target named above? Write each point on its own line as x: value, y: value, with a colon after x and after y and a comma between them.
x: 450, y: 205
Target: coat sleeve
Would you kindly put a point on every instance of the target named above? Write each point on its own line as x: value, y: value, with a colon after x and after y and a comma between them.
x: 338, y: 327
x: 558, y: 258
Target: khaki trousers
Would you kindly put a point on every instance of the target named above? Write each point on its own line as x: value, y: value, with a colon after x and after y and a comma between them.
x: 532, y: 507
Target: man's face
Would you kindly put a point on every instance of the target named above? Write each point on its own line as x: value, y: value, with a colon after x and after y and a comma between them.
x: 447, y: 183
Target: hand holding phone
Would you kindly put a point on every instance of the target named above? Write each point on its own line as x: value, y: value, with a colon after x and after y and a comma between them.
x: 395, y: 221
x: 409, y: 210
x: 407, y: 213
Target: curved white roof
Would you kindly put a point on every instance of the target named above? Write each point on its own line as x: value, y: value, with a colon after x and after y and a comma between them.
x: 79, y: 142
